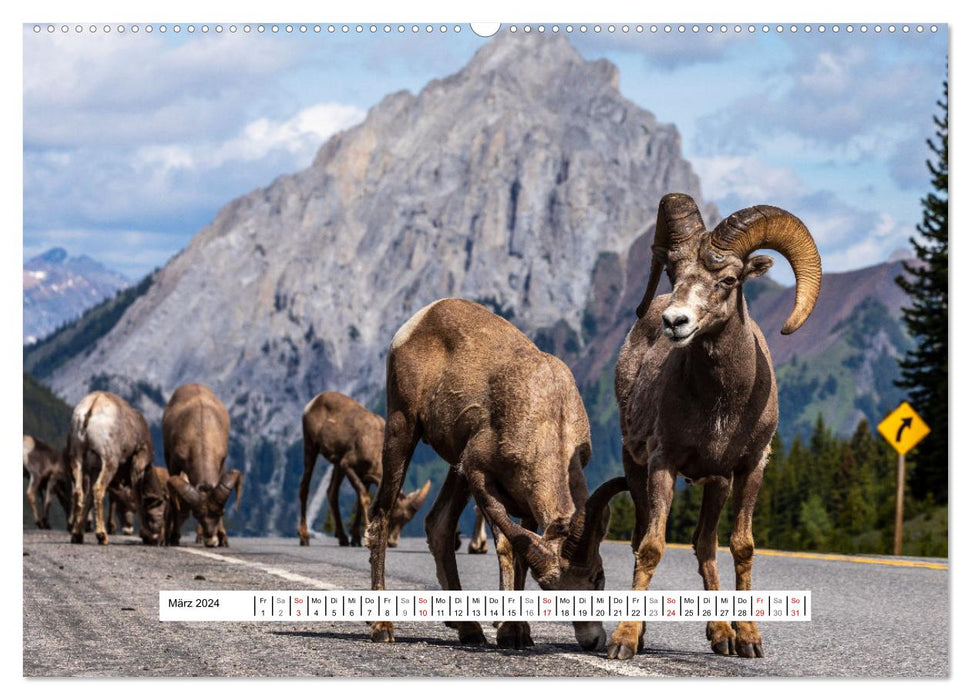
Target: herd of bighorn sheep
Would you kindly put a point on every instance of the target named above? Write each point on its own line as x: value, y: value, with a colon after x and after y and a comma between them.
x: 696, y: 393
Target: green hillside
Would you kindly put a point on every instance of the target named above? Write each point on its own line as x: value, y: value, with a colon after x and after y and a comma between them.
x: 855, y: 373
x: 47, y: 418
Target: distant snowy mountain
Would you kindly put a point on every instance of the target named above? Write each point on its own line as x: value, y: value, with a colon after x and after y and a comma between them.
x: 58, y: 288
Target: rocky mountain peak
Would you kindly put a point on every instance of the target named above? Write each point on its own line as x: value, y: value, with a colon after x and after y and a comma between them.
x: 53, y: 256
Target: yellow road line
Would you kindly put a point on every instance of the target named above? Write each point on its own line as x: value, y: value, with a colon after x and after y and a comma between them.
x: 839, y: 557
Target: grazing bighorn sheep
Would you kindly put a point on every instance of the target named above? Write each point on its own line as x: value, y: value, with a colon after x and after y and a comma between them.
x: 350, y: 437
x: 697, y: 394
x: 40, y: 462
x: 109, y: 441
x: 56, y: 484
x: 509, y: 420
x: 195, y: 437
x: 479, y: 544
x: 152, y: 496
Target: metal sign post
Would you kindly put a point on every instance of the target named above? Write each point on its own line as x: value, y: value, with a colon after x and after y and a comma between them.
x: 903, y: 429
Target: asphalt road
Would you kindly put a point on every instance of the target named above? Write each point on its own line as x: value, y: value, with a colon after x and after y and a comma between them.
x: 92, y: 611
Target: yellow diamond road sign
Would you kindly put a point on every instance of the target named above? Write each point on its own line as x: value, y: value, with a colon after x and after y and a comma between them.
x: 903, y: 428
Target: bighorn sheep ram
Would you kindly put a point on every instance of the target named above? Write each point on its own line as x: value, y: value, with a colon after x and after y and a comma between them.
x: 697, y: 394
x: 152, y: 496
x: 350, y: 437
x: 510, y: 422
x: 195, y: 437
x: 41, y: 462
x: 108, y: 441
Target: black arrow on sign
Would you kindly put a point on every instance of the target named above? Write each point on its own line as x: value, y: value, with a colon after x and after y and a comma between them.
x: 904, y: 423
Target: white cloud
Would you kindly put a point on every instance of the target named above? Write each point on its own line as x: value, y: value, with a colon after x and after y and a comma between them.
x: 745, y: 178
x: 300, y: 136
x: 114, y: 90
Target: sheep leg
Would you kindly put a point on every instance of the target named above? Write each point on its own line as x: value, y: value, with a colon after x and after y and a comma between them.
x: 309, y: 459
x: 63, y: 495
x: 33, y: 486
x: 748, y: 640
x: 98, y: 494
x: 113, y: 511
x: 363, y: 505
x: 479, y: 544
x: 627, y: 638
x: 45, y: 506
x: 440, y: 528
x: 512, y: 576
x: 176, y: 518
x: 79, y: 512
x: 705, y: 541
x: 400, y: 437
x: 221, y: 535
x: 333, y: 498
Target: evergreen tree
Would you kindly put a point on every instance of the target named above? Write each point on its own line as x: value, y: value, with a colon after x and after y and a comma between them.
x: 924, y: 369
x: 764, y: 520
x: 621, y: 518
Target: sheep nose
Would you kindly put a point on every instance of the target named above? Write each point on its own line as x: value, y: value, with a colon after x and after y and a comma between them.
x: 673, y: 320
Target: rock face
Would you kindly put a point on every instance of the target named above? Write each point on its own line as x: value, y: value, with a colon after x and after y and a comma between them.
x: 59, y: 288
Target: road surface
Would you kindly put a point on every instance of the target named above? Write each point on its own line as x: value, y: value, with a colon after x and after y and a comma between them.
x: 92, y: 611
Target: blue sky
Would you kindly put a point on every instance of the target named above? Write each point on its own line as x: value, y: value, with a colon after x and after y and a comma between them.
x: 132, y: 142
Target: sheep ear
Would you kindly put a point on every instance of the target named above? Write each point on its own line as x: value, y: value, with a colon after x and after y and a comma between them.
x: 756, y: 266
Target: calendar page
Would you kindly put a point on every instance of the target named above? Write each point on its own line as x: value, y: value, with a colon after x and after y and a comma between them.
x: 426, y: 348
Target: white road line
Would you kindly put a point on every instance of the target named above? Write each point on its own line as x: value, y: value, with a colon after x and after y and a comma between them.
x: 266, y: 568
x: 619, y: 668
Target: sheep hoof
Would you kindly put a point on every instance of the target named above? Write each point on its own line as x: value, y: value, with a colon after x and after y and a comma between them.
x: 748, y: 641
x: 102, y: 537
x: 343, y: 542
x: 747, y: 651
x: 472, y: 636
x: 304, y: 541
x: 514, y: 635
x: 356, y: 542
x: 382, y: 632
x: 722, y: 638
x: 77, y: 538
x: 621, y: 652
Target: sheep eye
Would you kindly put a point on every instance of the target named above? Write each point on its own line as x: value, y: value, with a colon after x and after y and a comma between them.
x: 728, y: 281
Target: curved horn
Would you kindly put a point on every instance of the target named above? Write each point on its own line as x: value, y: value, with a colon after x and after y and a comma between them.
x: 415, y: 499
x: 678, y: 219
x: 179, y: 486
x: 231, y: 480
x: 540, y: 559
x: 763, y: 226
x: 588, y: 526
